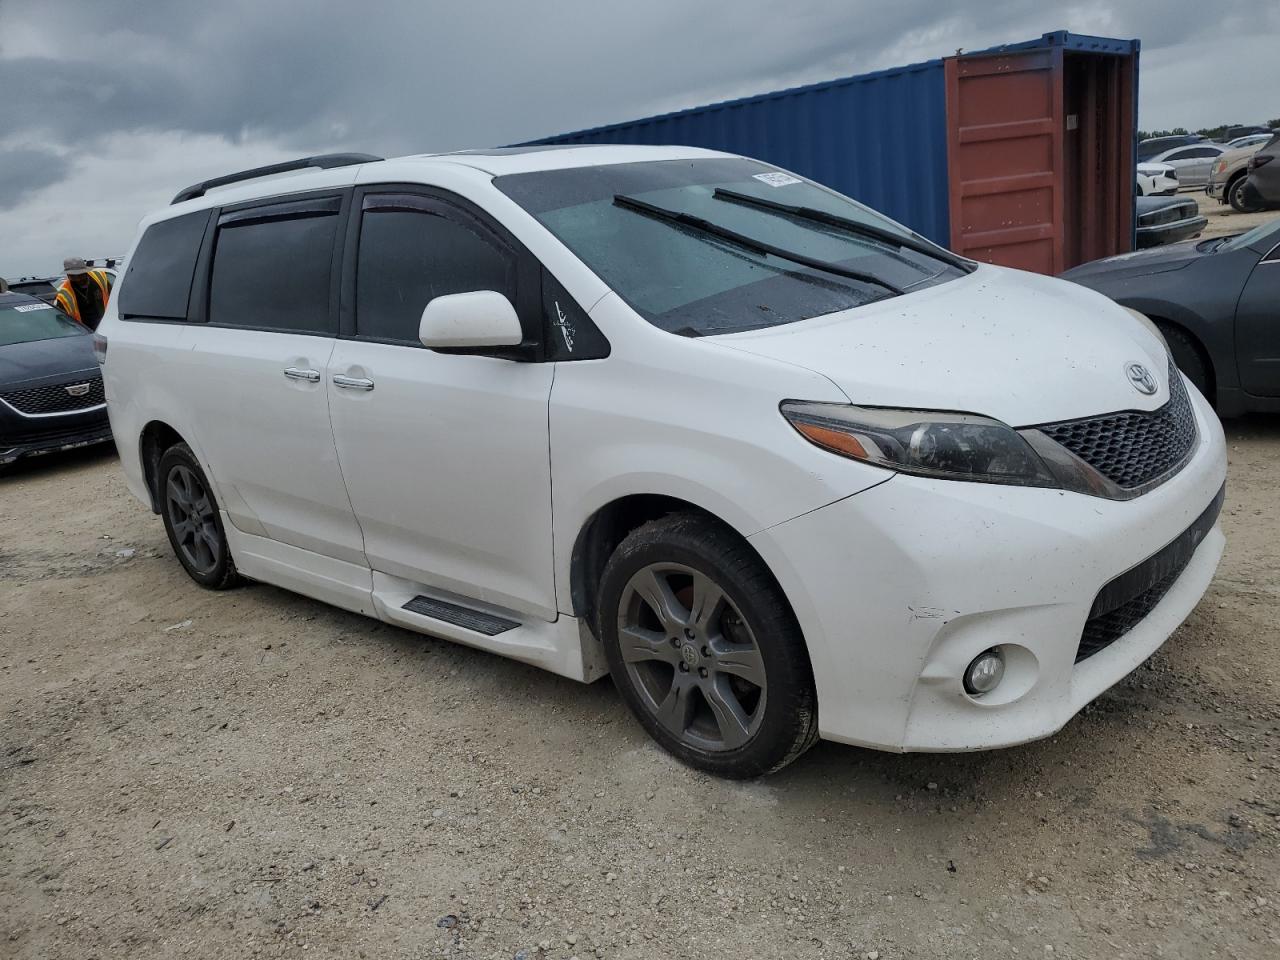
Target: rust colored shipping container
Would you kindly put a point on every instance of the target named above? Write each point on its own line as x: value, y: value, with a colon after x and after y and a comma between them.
x: 1040, y: 144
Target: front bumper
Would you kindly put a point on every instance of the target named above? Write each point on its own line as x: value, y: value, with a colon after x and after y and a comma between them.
x: 29, y: 437
x: 898, y: 588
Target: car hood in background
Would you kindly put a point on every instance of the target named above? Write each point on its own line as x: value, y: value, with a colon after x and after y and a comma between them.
x: 45, y: 359
x: 1017, y: 346
x: 1174, y: 256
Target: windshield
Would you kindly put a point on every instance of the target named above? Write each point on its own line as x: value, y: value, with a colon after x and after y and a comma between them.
x: 668, y: 237
x: 23, y: 321
x: 1264, y: 231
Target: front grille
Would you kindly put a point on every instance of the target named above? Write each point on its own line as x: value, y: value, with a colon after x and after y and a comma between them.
x: 1127, y: 599
x: 1135, y: 447
x: 55, y: 398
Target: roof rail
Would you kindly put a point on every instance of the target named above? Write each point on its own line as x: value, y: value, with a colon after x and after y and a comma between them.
x: 323, y: 161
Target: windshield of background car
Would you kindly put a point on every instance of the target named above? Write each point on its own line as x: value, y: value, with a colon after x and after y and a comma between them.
x: 22, y: 321
x: 686, y: 281
x: 1269, y: 231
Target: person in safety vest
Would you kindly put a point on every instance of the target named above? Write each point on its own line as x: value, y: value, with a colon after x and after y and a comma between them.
x: 83, y: 295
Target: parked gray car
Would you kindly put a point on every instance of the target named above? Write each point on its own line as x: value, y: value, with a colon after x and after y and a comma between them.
x: 1262, y: 189
x: 1193, y: 162
x: 1215, y: 302
x: 1165, y: 219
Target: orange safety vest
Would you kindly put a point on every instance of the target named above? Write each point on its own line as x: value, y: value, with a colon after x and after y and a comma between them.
x: 66, y: 298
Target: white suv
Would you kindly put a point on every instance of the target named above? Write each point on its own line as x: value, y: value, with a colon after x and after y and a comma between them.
x: 783, y: 468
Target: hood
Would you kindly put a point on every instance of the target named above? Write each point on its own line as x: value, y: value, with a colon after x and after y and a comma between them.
x: 1173, y: 256
x: 1016, y: 346
x: 45, y: 359
x: 1237, y: 154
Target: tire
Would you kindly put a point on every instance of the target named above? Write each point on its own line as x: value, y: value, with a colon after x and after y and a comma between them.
x: 1235, y: 195
x: 729, y: 691
x: 192, y: 520
x: 1188, y: 359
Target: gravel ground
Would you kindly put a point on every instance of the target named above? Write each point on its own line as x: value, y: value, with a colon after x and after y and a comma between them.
x: 251, y: 773
x: 1223, y: 220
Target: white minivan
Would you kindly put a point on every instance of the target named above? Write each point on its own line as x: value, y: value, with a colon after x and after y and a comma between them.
x: 780, y: 466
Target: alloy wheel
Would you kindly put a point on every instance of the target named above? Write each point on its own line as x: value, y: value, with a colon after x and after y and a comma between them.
x: 692, y: 657
x: 191, y: 515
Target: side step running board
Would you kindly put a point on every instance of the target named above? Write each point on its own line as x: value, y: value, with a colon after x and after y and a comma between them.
x: 487, y: 623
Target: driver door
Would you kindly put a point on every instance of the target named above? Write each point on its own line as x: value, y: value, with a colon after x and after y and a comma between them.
x: 1258, y: 328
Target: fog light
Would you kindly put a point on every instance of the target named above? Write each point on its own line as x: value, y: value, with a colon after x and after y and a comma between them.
x: 986, y: 671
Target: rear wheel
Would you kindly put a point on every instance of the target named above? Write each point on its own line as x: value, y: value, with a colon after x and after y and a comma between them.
x: 704, y: 648
x: 1188, y: 358
x: 192, y: 521
x: 1235, y: 195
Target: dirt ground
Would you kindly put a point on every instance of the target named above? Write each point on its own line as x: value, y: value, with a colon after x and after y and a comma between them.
x: 1223, y: 220
x: 243, y: 774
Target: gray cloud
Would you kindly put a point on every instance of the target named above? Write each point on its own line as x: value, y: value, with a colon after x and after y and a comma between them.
x: 23, y: 169
x: 81, y: 76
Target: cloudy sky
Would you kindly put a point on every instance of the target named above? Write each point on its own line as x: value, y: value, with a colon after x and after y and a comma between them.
x: 109, y: 107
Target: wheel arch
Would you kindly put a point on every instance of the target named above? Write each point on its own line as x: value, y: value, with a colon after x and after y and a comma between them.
x: 156, y: 437
x: 607, y: 526
x: 1197, y: 343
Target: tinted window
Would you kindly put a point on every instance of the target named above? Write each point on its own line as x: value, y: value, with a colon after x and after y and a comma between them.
x: 1199, y: 152
x: 414, y: 250
x: 274, y: 273
x: 158, y: 282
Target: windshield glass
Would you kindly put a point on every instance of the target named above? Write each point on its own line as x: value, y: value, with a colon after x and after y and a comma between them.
x: 685, y: 279
x: 23, y: 321
x: 1264, y: 231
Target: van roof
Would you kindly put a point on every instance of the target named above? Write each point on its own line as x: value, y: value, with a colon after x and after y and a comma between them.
x: 341, y: 169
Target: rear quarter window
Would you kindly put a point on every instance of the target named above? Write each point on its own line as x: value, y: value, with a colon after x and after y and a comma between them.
x: 158, y: 282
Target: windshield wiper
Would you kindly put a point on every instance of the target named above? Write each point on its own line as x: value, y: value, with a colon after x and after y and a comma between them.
x: 746, y: 242
x: 845, y: 223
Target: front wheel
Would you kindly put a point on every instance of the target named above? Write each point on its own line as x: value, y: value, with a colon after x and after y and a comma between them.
x: 704, y: 648
x: 192, y: 521
x: 1235, y: 196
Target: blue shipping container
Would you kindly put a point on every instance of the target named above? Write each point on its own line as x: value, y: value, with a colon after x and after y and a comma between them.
x: 881, y: 138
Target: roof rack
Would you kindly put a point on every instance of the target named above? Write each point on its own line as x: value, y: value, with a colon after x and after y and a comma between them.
x: 323, y: 161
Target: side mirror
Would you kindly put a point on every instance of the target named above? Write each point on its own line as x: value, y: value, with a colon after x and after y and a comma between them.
x: 484, y: 318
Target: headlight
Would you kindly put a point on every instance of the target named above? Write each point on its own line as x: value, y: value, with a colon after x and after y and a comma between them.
x: 952, y: 446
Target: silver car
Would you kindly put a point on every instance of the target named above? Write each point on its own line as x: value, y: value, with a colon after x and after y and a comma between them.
x: 1193, y: 162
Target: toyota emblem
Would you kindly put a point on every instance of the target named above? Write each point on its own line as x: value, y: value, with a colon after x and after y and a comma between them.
x: 1141, y: 378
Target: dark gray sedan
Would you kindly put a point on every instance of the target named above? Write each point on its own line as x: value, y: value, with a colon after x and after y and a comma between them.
x: 1217, y: 302
x: 50, y: 386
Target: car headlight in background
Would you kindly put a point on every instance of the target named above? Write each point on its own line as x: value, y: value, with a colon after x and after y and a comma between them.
x: 952, y: 446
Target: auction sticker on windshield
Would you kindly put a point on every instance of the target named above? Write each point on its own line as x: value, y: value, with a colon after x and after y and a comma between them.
x: 777, y: 179
x: 28, y: 307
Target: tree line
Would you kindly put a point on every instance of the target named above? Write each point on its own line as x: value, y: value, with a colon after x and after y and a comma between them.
x: 1213, y: 133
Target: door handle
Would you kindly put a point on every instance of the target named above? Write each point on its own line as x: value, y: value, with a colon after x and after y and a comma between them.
x: 295, y: 373
x: 352, y: 383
